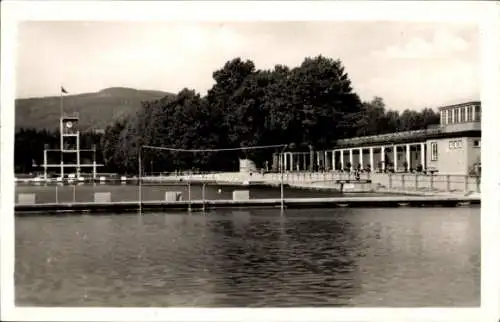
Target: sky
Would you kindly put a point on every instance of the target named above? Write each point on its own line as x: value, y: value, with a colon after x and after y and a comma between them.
x: 410, y: 65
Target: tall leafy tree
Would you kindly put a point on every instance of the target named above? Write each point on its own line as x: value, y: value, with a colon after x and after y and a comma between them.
x: 323, y: 102
x: 220, y: 97
x: 372, y: 118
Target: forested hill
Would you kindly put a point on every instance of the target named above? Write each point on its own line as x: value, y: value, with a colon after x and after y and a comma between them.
x: 96, y: 110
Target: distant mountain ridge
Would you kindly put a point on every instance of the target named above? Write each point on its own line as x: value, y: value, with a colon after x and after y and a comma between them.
x: 96, y: 110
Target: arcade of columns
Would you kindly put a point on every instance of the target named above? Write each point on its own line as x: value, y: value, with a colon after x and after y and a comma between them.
x: 300, y: 161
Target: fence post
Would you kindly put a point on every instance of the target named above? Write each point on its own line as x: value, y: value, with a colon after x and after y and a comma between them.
x: 416, y: 181
x: 203, y: 196
x: 432, y: 182
x: 403, y: 181
x: 478, y: 183
x: 189, y: 196
x: 448, y: 182
x: 390, y: 181
x: 466, y: 183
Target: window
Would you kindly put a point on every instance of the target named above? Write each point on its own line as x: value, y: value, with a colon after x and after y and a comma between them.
x: 469, y: 113
x: 477, y: 143
x: 478, y: 113
x: 455, y: 144
x: 434, y: 151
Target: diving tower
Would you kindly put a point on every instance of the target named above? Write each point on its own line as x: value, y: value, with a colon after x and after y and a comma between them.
x: 70, y: 160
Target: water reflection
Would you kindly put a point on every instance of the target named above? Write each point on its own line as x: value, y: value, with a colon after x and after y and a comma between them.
x: 337, y: 257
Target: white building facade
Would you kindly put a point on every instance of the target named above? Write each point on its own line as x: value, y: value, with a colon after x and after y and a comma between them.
x: 453, y: 147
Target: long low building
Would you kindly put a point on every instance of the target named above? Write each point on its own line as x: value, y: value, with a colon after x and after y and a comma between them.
x: 452, y: 147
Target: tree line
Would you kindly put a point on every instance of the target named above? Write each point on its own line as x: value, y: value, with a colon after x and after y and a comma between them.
x: 29, y: 145
x: 311, y: 105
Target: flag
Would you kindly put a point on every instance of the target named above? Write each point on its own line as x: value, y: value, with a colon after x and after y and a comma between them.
x: 63, y: 90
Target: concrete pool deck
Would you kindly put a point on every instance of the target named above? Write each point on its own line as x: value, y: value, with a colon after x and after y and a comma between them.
x: 400, y: 183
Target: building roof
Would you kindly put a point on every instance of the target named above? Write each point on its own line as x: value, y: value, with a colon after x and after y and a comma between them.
x: 434, y: 131
x: 416, y: 136
x: 459, y: 105
x: 396, y: 137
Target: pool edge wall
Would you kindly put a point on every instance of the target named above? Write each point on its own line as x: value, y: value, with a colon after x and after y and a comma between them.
x: 303, y: 203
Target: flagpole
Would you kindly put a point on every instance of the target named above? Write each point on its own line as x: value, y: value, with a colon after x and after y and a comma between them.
x: 61, y: 129
x: 61, y: 102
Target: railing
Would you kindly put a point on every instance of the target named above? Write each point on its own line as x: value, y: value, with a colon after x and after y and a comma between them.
x: 427, y: 183
x: 72, y: 131
x: 104, y: 193
x: 71, y: 115
x: 380, y: 181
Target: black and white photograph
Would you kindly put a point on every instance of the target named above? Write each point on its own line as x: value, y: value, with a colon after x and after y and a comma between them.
x: 219, y: 162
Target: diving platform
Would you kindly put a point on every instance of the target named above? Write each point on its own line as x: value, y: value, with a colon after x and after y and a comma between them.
x: 69, y: 160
